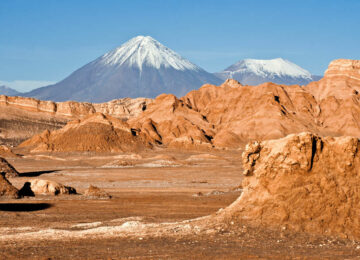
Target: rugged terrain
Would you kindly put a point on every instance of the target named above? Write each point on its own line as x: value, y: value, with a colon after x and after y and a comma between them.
x: 230, y: 115
x: 175, y: 204
x: 174, y: 178
x: 21, y: 118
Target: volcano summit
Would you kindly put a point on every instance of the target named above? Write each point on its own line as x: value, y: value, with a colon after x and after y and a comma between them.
x: 141, y: 67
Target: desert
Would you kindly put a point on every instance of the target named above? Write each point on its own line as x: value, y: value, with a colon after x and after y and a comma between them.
x: 179, y: 129
x: 185, y: 173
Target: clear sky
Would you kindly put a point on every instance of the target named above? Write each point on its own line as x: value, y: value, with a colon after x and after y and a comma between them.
x: 46, y: 40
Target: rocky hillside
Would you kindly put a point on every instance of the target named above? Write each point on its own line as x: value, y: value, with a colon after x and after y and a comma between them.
x: 96, y: 132
x: 230, y: 115
x: 21, y: 118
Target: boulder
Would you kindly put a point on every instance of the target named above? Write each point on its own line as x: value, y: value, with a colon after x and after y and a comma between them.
x: 45, y: 187
x: 95, y: 192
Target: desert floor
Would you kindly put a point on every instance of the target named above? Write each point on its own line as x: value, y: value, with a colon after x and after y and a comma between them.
x: 157, y: 186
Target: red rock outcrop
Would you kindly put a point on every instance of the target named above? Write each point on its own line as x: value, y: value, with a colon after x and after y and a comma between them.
x: 169, y: 121
x: 96, y: 193
x: 22, y: 118
x: 230, y: 115
x: 98, y: 132
x: 122, y: 108
x: 302, y: 182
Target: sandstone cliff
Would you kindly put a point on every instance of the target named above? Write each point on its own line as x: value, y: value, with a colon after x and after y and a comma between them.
x: 21, y: 118
x: 302, y: 182
x: 122, y: 108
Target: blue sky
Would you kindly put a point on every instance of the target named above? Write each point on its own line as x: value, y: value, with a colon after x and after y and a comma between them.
x: 46, y: 40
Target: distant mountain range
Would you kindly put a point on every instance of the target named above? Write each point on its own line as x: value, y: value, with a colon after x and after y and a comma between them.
x: 280, y: 71
x: 143, y: 67
x: 4, y: 90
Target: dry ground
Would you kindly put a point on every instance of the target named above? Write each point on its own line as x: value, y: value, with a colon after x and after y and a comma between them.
x: 160, y: 186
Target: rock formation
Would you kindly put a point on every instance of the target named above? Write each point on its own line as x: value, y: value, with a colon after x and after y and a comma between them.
x: 96, y: 132
x: 6, y: 189
x: 45, y: 187
x: 169, y: 121
x: 96, y: 193
x: 302, y: 182
x: 122, y: 108
x: 7, y: 169
x: 21, y: 118
x: 230, y: 115
x: 5, y: 151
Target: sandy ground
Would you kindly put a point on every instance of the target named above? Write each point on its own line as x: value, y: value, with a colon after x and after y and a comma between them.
x: 153, y: 187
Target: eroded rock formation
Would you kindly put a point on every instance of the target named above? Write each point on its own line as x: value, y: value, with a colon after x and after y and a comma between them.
x: 22, y: 118
x: 303, y: 182
x: 96, y: 193
x: 45, y: 187
x: 124, y: 108
x: 96, y: 132
x: 230, y: 115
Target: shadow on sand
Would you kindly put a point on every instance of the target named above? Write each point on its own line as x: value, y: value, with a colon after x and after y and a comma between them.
x: 35, y: 174
x: 24, y: 206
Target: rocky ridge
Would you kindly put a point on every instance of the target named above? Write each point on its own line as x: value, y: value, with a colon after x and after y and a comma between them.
x: 123, y: 108
x: 230, y: 115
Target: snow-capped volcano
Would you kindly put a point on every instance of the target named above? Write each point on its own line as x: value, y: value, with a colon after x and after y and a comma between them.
x: 146, y: 51
x: 254, y: 72
x: 141, y: 67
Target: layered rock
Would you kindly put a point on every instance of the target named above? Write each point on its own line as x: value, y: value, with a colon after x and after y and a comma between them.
x: 341, y: 80
x: 21, y: 118
x: 303, y: 182
x: 98, y: 133
x: 122, y: 108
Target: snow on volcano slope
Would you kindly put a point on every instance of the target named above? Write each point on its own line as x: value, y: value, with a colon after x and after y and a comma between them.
x: 280, y: 71
x: 141, y: 67
x: 141, y: 51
